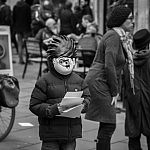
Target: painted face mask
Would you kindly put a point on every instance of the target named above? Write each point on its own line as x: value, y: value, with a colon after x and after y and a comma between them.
x: 64, y: 65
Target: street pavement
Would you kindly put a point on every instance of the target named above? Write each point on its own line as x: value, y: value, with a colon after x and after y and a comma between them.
x: 24, y: 134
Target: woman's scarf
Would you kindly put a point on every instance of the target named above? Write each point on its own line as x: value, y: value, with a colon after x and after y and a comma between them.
x: 127, y: 44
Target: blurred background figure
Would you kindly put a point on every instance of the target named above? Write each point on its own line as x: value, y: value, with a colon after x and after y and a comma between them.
x: 86, y: 9
x: 81, y: 27
x: 5, y: 13
x: 77, y: 15
x: 47, y: 32
x: 92, y: 36
x: 40, y: 13
x: 66, y: 19
x: 21, y: 25
x: 6, y: 19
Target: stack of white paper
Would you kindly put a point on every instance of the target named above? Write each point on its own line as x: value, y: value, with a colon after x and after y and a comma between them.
x: 74, y: 101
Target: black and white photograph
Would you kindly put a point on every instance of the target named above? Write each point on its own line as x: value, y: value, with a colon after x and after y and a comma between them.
x: 74, y: 74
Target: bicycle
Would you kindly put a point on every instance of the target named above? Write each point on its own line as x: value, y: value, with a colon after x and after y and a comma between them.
x: 7, y: 118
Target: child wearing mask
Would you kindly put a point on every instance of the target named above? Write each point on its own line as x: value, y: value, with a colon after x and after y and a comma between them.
x: 57, y: 132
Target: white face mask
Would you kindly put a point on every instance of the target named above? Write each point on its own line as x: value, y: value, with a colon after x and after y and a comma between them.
x: 64, y: 65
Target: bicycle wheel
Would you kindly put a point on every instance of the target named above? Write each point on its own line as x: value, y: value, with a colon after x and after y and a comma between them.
x: 7, y: 118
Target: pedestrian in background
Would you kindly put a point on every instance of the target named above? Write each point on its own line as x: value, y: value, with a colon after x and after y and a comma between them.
x: 85, y: 8
x: 77, y: 15
x: 57, y: 132
x: 66, y: 20
x: 104, y: 75
x: 47, y: 32
x: 6, y: 19
x: 81, y: 28
x: 137, y: 119
x: 21, y: 25
x: 5, y: 13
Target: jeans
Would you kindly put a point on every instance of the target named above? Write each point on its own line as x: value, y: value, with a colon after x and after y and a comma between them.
x: 135, y: 144
x: 105, y: 133
x: 59, y: 145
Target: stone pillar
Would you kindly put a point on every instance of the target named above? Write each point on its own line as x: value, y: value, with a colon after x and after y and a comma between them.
x: 98, y: 6
x: 142, y: 14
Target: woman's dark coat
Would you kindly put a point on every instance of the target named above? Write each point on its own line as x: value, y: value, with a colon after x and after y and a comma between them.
x: 47, y: 93
x: 104, y: 78
x: 138, y: 106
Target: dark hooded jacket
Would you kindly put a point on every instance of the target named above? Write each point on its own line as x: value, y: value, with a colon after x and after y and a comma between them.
x: 138, y: 106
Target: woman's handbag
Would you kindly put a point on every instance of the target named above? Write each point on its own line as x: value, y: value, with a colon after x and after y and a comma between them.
x: 9, y: 91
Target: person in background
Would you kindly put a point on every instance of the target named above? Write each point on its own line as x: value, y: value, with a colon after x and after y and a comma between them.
x: 81, y: 28
x: 92, y: 31
x: 40, y: 13
x: 86, y: 9
x: 77, y: 14
x: 21, y: 25
x: 47, y: 32
x: 89, y: 40
x: 66, y: 19
x: 137, y: 120
x: 6, y: 19
x: 5, y: 13
x: 86, y: 21
x: 57, y: 132
x: 104, y: 76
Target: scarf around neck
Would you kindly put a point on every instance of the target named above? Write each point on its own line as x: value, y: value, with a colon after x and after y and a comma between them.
x: 127, y: 44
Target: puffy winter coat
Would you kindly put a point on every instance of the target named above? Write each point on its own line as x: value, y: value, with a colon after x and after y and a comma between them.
x: 47, y: 93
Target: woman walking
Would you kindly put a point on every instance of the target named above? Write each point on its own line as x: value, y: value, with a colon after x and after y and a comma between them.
x: 104, y: 76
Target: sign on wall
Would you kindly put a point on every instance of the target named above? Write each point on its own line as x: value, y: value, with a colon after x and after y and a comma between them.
x: 6, y: 66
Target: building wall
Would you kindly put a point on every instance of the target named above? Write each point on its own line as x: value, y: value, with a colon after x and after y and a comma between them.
x: 142, y: 14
